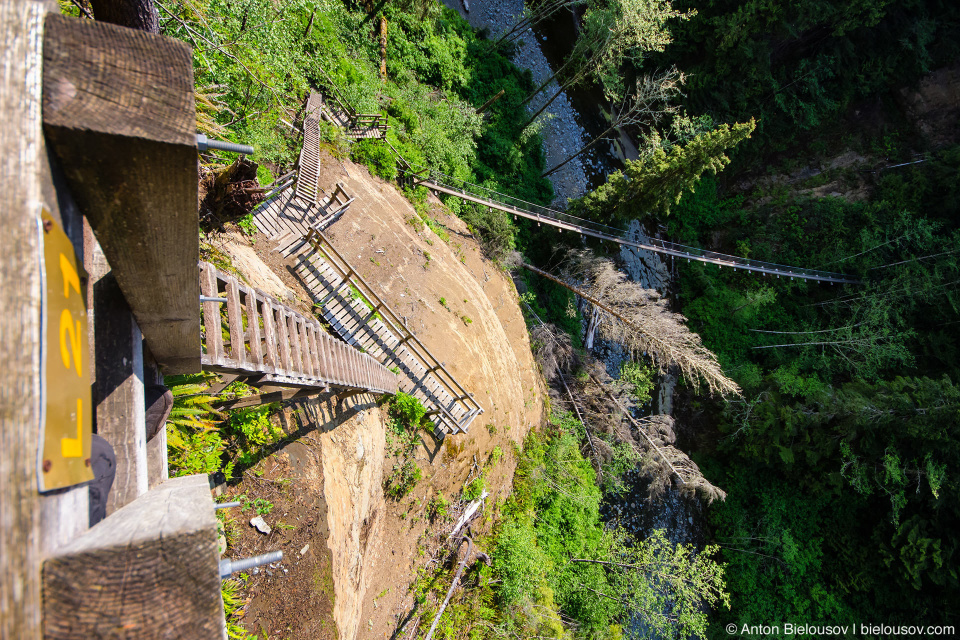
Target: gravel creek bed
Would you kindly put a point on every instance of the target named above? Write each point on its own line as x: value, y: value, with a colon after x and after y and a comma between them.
x: 562, y: 135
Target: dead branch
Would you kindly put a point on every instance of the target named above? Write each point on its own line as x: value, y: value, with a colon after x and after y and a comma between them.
x: 638, y: 319
x: 453, y: 585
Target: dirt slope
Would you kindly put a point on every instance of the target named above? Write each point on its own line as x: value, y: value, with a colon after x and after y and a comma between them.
x: 334, y: 465
x: 490, y: 356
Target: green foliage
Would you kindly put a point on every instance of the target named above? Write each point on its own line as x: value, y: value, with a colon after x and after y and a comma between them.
x: 251, y: 432
x: 474, y: 489
x: 192, y: 407
x: 799, y: 67
x: 552, y: 550
x: 838, y: 461
x: 438, y: 508
x: 376, y: 156
x: 406, y: 415
x: 406, y: 411
x: 261, y: 506
x: 232, y: 604
x: 403, y: 478
x: 253, y: 61
x: 640, y: 379
x: 194, y: 453
x: 264, y: 176
x: 249, y: 66
x: 194, y: 444
x: 247, y: 225
x: 651, y: 185
x: 780, y: 543
x: 552, y: 303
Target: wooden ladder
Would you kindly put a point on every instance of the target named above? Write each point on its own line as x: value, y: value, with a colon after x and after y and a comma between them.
x: 248, y: 333
x: 363, y: 319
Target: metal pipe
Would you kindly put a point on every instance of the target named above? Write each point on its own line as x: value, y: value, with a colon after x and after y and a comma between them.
x: 211, y: 299
x: 229, y: 567
x: 227, y: 505
x: 204, y: 143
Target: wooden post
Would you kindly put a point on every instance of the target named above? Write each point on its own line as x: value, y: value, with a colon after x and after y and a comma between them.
x: 306, y: 351
x: 270, y: 333
x: 314, y: 329
x: 118, y: 389
x: 296, y: 346
x: 21, y: 144
x: 118, y: 110
x: 284, y: 340
x: 323, y: 355
x: 235, y: 321
x: 150, y: 570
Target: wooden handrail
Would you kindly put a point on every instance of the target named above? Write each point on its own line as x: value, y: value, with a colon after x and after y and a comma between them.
x: 316, y: 239
x: 402, y: 330
x: 267, y: 337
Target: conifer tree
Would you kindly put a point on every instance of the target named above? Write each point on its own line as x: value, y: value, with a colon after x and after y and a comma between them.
x: 652, y: 184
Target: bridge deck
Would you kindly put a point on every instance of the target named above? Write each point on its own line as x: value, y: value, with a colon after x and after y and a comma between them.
x: 586, y: 227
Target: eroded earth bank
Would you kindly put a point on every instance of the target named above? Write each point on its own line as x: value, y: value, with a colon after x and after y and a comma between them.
x: 350, y: 553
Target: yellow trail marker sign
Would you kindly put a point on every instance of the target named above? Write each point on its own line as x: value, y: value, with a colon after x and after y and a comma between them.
x: 65, y: 378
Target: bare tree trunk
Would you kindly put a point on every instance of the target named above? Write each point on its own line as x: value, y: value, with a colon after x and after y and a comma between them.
x: 582, y: 150
x: 383, y: 48
x: 592, y: 328
x: 135, y: 14
x: 453, y: 585
x: 310, y: 24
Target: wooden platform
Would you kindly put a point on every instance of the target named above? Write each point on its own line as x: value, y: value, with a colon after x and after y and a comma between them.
x: 308, y: 172
x: 356, y: 126
x: 285, y: 212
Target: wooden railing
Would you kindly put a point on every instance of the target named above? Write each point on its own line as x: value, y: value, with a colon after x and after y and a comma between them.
x: 368, y: 121
x: 284, y: 347
x: 441, y: 413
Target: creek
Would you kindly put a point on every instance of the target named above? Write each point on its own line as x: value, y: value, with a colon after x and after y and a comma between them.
x: 577, y: 116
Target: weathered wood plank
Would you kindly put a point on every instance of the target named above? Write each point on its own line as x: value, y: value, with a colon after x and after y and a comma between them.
x: 315, y: 349
x: 270, y: 333
x: 322, y: 354
x: 342, y: 364
x: 118, y: 110
x: 149, y: 570
x: 21, y: 146
x: 308, y: 368
x: 118, y: 389
x: 253, y: 327
x: 296, y: 346
x: 211, y: 313
x: 336, y: 360
x: 235, y: 322
x: 284, y: 340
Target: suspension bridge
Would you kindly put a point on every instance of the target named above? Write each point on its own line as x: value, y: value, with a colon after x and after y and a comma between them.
x: 516, y: 207
x: 345, y: 116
